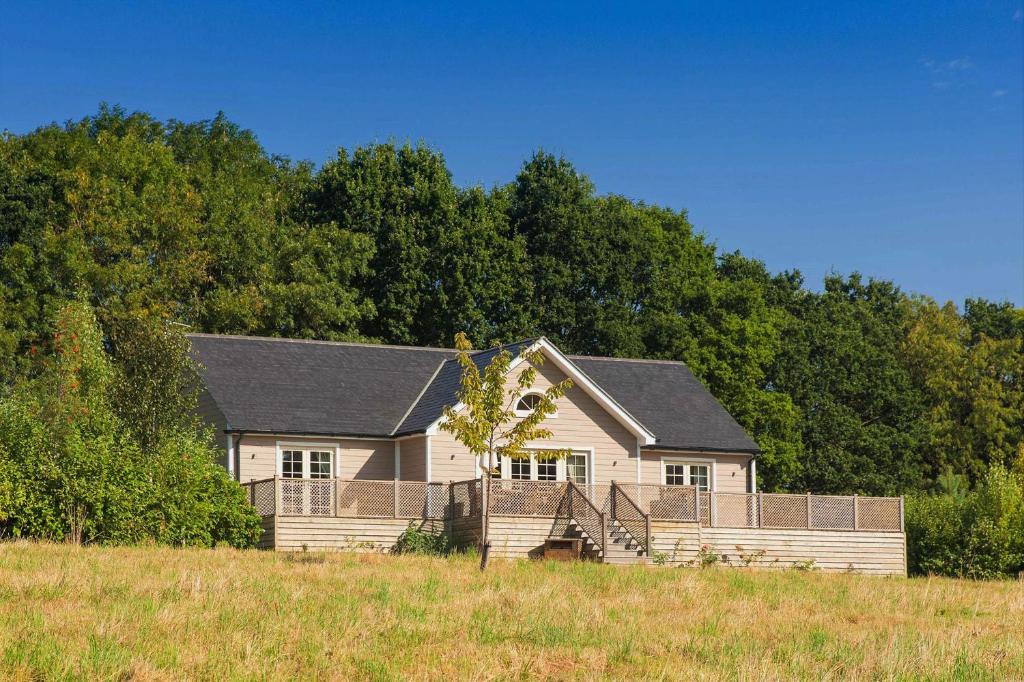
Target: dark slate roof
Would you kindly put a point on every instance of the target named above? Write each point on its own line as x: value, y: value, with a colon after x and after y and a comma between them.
x: 351, y: 389
x: 441, y: 391
x: 291, y: 386
x: 666, y: 398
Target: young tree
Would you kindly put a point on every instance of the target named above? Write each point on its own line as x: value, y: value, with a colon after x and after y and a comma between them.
x: 487, y: 423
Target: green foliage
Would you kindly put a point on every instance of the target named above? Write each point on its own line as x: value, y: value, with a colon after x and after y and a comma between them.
x: 416, y: 540
x: 854, y: 388
x: 72, y: 467
x: 487, y: 424
x: 978, y: 534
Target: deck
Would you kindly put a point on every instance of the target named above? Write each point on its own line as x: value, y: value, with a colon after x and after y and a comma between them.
x: 619, y: 522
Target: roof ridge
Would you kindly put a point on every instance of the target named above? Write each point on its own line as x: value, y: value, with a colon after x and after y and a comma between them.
x: 419, y: 396
x: 652, y: 361
x: 319, y: 341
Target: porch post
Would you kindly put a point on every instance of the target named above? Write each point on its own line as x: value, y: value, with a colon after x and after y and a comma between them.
x: 395, y: 494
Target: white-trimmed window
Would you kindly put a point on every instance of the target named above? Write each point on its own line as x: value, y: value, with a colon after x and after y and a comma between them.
x: 573, y: 468
x: 315, y: 462
x: 576, y: 468
x: 547, y: 470
x: 680, y: 472
x: 528, y: 403
x: 519, y: 468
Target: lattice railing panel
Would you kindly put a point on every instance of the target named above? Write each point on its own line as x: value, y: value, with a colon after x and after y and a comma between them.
x: 783, y: 511
x: 466, y: 498
x: 262, y: 495
x: 664, y: 503
x: 734, y: 510
x: 879, y: 513
x: 306, y: 497
x: 629, y: 515
x: 831, y: 512
x: 420, y: 500
x: 577, y: 506
x: 525, y: 498
x: 367, y: 499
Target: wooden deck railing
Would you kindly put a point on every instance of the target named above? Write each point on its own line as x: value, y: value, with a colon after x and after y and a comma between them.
x: 334, y: 497
x: 625, y: 502
x: 630, y: 516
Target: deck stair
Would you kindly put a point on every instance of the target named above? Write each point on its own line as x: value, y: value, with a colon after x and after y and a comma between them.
x: 620, y: 546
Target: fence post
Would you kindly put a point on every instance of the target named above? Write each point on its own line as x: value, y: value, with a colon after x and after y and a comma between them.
x: 855, y: 526
x: 760, y: 508
x: 277, y: 496
x: 808, y: 510
x: 604, y: 534
x: 395, y: 497
x: 612, y: 501
x: 696, y: 506
x: 712, y: 508
x: 337, y: 497
x: 647, y: 522
x: 902, y: 529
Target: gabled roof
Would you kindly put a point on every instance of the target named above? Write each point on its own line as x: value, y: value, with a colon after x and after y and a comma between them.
x: 672, y: 402
x: 269, y: 385
x: 315, y: 387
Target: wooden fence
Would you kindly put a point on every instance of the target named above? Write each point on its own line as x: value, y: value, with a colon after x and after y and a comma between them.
x: 630, y: 504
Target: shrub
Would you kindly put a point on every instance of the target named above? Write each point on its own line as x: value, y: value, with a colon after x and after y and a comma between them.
x: 416, y: 540
x: 72, y: 467
x: 976, y: 534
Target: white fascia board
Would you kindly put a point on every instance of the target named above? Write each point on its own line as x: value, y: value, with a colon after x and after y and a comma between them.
x: 644, y: 436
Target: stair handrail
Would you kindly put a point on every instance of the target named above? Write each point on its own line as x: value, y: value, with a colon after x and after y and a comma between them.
x: 598, y: 534
x: 642, y: 536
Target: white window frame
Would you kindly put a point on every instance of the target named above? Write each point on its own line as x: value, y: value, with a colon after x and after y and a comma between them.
x: 306, y: 448
x: 688, y: 462
x: 560, y: 471
x: 527, y: 413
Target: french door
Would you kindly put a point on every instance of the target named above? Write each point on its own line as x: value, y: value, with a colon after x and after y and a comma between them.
x: 307, y: 485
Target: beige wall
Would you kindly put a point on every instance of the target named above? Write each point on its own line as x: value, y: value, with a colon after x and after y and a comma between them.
x: 414, y: 459
x: 731, y: 471
x: 581, y: 423
x: 366, y: 459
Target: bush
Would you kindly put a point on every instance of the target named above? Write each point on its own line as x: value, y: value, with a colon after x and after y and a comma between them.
x: 977, y: 534
x: 416, y: 540
x: 72, y: 467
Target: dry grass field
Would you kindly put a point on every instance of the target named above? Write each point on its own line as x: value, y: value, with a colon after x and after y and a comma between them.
x: 148, y: 613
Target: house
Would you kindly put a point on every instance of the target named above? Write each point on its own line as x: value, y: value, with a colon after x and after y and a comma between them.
x: 340, y: 446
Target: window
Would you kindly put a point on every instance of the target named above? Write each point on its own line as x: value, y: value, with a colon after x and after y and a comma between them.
x: 520, y: 468
x: 688, y: 473
x: 307, y: 463
x: 528, y: 403
x: 319, y: 464
x: 576, y: 469
x: 291, y: 464
x: 547, y: 470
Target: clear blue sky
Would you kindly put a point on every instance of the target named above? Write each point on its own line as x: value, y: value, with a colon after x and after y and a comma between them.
x: 872, y: 136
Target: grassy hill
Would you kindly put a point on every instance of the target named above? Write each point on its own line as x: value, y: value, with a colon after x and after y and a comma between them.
x: 153, y: 613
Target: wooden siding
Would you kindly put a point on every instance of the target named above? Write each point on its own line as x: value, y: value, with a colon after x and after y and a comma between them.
x: 831, y: 551
x: 267, y: 530
x: 357, y: 459
x: 581, y: 422
x: 521, y: 537
x: 354, y: 535
x: 834, y: 551
x: 731, y: 471
x: 466, y: 531
x: 677, y: 542
x: 414, y: 459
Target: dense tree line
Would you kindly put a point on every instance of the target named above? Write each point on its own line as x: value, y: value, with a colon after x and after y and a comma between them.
x: 858, y: 387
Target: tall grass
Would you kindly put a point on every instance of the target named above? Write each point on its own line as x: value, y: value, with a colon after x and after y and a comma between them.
x: 153, y: 613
